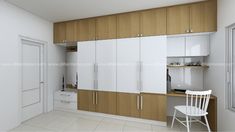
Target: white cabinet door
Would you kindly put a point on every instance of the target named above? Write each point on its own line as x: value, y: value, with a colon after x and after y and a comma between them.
x: 86, y: 63
x: 106, y: 65
x: 197, y: 45
x: 175, y: 46
x: 153, y: 64
x: 128, y: 58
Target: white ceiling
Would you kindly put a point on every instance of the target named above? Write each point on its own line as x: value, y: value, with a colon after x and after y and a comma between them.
x: 61, y: 10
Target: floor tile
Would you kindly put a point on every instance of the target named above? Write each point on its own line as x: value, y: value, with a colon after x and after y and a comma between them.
x: 110, y: 125
x: 142, y: 126
x: 27, y: 128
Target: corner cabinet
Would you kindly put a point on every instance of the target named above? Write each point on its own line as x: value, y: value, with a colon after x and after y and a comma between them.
x: 192, y: 18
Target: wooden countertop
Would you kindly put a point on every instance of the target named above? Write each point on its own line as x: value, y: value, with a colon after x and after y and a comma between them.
x: 177, y: 94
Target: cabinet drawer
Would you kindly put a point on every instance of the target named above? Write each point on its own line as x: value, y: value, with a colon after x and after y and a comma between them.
x: 66, y: 96
x: 65, y: 105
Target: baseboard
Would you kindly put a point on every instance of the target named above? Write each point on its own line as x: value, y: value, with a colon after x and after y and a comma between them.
x: 152, y: 122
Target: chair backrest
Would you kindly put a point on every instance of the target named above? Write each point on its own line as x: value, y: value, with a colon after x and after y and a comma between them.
x: 199, y: 100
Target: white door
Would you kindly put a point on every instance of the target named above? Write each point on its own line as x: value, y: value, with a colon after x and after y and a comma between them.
x: 106, y: 65
x: 197, y: 45
x: 86, y: 65
x: 128, y: 58
x: 32, y: 79
x: 153, y: 64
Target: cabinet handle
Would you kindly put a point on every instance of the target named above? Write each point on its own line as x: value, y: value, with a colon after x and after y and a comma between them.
x: 141, y: 35
x: 96, y: 98
x: 138, y: 102
x: 191, y: 30
x: 187, y: 31
x: 66, y: 102
x: 141, y: 102
x: 64, y: 95
x: 93, y: 97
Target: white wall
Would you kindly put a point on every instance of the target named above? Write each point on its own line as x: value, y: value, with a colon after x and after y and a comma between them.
x: 215, y: 77
x: 71, y: 68
x: 15, y: 22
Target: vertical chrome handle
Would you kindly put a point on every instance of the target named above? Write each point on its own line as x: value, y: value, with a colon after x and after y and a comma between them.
x: 138, y: 102
x: 140, y: 76
x: 93, y: 97
x: 141, y: 102
x: 96, y: 98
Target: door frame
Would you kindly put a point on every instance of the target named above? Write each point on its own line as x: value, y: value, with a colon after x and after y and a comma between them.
x: 45, y: 73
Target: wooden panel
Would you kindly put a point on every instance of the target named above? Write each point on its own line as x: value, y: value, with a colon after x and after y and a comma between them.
x: 128, y: 25
x: 153, y: 107
x: 197, y: 17
x: 212, y: 114
x: 106, y: 27
x: 210, y: 16
x: 86, y: 29
x: 153, y: 22
x: 128, y: 104
x: 59, y: 32
x: 177, y: 19
x: 86, y: 100
x: 106, y: 102
x: 71, y: 31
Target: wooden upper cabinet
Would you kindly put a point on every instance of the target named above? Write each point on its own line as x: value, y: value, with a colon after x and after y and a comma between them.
x: 153, y: 22
x: 203, y: 16
x: 71, y: 31
x: 178, y: 19
x: 86, y: 29
x: 59, y: 32
x: 128, y: 25
x: 106, y: 27
x: 211, y: 15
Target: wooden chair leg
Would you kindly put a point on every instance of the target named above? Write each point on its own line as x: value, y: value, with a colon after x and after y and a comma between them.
x: 207, y: 124
x: 173, y: 120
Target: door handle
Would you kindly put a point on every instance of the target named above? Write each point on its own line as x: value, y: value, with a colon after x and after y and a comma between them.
x: 93, y: 97
x: 141, y: 102
x: 96, y: 98
x: 138, y: 102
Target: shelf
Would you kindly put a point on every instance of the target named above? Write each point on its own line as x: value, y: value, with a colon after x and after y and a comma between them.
x: 204, y: 66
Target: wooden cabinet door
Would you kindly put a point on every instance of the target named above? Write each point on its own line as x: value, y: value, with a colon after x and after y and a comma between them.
x: 106, y: 27
x: 106, y: 102
x: 153, y: 107
x: 128, y: 25
x: 71, y: 31
x: 86, y: 29
x: 210, y: 15
x: 178, y: 20
x: 86, y: 100
x: 128, y: 104
x: 59, y: 32
x: 153, y: 22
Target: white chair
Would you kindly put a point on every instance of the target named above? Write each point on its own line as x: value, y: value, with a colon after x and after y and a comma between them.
x: 196, y: 106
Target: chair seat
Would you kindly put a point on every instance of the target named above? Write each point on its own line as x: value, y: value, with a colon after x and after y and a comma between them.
x: 191, y: 111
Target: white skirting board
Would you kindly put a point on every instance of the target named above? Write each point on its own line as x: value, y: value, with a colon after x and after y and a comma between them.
x: 151, y: 122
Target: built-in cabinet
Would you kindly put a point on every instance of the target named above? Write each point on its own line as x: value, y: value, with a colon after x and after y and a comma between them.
x: 192, y: 18
x: 153, y: 22
x: 86, y: 29
x: 188, y: 46
x: 180, y: 19
x: 106, y: 27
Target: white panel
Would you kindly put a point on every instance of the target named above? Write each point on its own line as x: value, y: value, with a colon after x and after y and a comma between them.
x: 31, y: 68
x: 32, y: 111
x: 31, y: 97
x: 153, y: 64
x: 197, y: 45
x: 175, y: 46
x: 106, y: 64
x: 187, y: 79
x: 86, y: 63
x: 128, y: 52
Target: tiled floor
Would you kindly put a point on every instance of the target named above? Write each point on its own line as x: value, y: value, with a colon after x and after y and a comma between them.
x: 58, y: 121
